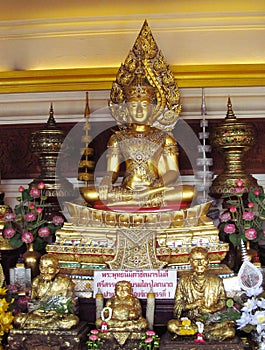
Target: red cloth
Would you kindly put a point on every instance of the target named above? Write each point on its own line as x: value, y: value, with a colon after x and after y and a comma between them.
x: 131, y: 209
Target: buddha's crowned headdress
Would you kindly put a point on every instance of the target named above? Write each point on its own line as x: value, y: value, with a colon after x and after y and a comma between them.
x: 146, y: 73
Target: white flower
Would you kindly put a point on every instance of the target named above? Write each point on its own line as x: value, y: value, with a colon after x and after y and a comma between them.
x: 254, y: 291
x: 261, y: 303
x: 249, y: 305
x: 259, y: 320
x: 244, y: 320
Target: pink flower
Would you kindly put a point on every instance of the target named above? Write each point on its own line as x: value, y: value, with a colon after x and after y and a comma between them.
x: 9, y: 232
x: 21, y: 188
x: 239, y: 182
x: 93, y: 337
x: 41, y: 185
x: 23, y: 300
x: 250, y: 204
x: 34, y: 192
x: 12, y: 288
x: 248, y: 215
x: 27, y: 237
x: 256, y: 192
x: 264, y: 232
x: 225, y: 217
x: 251, y: 233
x: 229, y: 228
x: 94, y: 331
x: 232, y: 209
x: 39, y: 210
x: 30, y: 217
x: 148, y: 340
x: 57, y: 220
x: 44, y: 232
x: 9, y: 216
x: 239, y: 190
x: 31, y: 205
x: 150, y: 333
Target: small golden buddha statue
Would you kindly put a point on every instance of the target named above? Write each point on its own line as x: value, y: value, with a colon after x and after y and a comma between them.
x: 124, y: 311
x: 49, y: 292
x: 200, y: 293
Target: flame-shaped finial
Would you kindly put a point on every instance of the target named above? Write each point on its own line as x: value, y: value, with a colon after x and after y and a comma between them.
x: 230, y: 113
x: 51, y: 123
x: 87, y: 110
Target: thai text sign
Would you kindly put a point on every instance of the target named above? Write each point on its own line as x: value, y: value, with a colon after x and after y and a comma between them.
x: 162, y: 282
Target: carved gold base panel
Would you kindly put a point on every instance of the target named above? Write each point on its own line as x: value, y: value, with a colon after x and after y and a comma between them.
x: 30, y: 339
x: 136, y: 249
x: 121, y: 340
x: 99, y: 239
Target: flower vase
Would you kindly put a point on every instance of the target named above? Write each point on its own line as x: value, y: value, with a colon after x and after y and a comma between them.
x: 31, y: 260
x: 233, y: 258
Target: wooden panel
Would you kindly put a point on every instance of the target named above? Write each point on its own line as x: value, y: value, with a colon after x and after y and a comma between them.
x: 18, y: 162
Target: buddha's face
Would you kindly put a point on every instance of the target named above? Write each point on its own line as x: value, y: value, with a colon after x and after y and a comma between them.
x: 199, y: 262
x: 123, y: 290
x: 48, y: 269
x: 140, y: 110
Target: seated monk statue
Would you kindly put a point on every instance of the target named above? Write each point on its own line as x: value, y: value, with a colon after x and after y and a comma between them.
x: 49, y: 293
x: 124, y: 310
x: 198, y: 294
x: 150, y: 156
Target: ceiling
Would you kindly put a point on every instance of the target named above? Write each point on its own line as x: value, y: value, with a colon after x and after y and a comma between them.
x: 198, y: 38
x: 32, y: 9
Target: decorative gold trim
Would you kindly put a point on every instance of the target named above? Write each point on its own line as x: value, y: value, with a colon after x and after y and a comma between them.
x: 227, y: 75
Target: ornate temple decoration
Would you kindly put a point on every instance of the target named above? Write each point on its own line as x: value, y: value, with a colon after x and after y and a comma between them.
x: 233, y: 138
x: 4, y: 209
x: 86, y: 165
x: 204, y: 175
x: 145, y: 62
x: 136, y: 250
x: 100, y: 235
x: 46, y: 144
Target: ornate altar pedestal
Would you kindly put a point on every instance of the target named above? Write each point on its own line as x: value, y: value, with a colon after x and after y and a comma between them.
x: 116, y: 341
x: 36, y: 339
x: 166, y: 343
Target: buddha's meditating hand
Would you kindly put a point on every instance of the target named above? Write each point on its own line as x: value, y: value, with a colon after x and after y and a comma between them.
x: 200, y: 293
x: 49, y: 293
x: 126, y: 311
x: 150, y: 156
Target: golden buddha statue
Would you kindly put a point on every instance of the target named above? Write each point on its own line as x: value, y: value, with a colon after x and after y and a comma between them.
x: 201, y: 293
x: 145, y: 114
x: 49, y: 293
x: 150, y: 157
x: 124, y: 310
